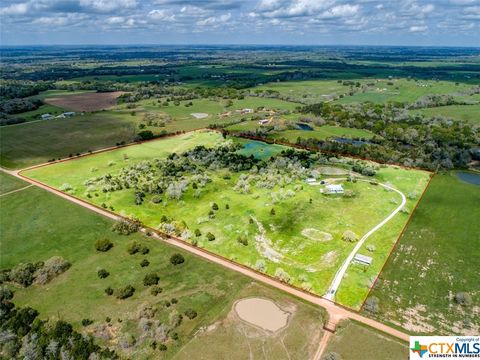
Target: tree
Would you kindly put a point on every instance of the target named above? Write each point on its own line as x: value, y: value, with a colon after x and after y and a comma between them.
x: 144, y: 263
x: 210, y: 236
x: 134, y: 247
x: 125, y: 292
x: 191, y: 314
x: 151, y: 279
x: 109, y: 291
x: 215, y: 206
x: 126, y: 226
x: 272, y: 212
x: 145, y: 135
x: 177, y: 259
x: 350, y: 236
x: 102, y: 273
x: 242, y: 240
x: 282, y: 275
x: 198, y: 233
x: 86, y: 322
x: 103, y: 245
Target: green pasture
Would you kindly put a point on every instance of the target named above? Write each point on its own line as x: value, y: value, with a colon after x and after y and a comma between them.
x: 437, y: 257
x: 9, y: 183
x: 402, y: 90
x: 37, y: 225
x: 353, y: 341
x: 467, y: 113
x: 305, y: 259
x: 37, y: 142
x: 322, y: 133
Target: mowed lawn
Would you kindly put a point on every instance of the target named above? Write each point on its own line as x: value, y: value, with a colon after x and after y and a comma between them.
x: 33, y: 143
x: 306, y: 260
x: 354, y: 341
x: 437, y: 257
x: 37, y: 225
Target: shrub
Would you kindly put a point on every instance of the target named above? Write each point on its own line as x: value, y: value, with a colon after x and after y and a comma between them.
x: 162, y: 347
x: 22, y: 274
x: 127, y: 226
x: 103, y: 245
x: 210, y: 236
x: 191, y: 314
x: 144, y: 250
x: 134, y: 247
x: 331, y: 356
x: 463, y: 298
x: 272, y: 212
x: 151, y: 279
x: 155, y: 290
x: 350, y: 236
x: 156, y: 199
x: 282, y: 275
x: 242, y: 240
x: 215, y: 206
x: 198, y: 233
x: 227, y: 206
x: 174, y: 301
x: 174, y: 336
x: 371, y: 304
x: 86, y: 322
x: 144, y: 263
x: 102, y: 273
x: 125, y: 292
x: 109, y: 291
x: 175, y: 319
x: 53, y: 267
x: 177, y: 259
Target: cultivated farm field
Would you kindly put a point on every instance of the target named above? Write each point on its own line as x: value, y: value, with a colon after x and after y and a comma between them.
x: 85, y: 101
x: 269, y: 219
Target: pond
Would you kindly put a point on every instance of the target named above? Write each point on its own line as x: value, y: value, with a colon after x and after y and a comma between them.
x: 260, y: 150
x: 351, y: 141
x: 469, y: 177
x: 304, y: 127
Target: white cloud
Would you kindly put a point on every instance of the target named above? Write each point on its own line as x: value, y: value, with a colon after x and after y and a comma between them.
x: 161, y: 15
x: 15, y: 9
x: 215, y: 20
x: 107, y: 6
x: 416, y: 28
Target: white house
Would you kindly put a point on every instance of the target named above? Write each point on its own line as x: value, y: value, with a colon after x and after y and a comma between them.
x: 334, y: 189
x: 362, y: 259
x: 69, y: 113
x: 264, y: 121
x: 246, y: 111
x: 47, y: 116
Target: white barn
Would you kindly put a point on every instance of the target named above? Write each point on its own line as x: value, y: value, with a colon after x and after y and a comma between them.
x: 363, y: 259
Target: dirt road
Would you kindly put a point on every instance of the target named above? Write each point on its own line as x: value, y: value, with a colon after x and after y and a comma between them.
x: 335, y: 312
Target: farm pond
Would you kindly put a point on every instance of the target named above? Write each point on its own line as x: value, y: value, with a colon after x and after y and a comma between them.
x: 469, y: 177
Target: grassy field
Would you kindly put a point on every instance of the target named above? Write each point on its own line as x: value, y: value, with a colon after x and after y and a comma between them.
x: 9, y: 183
x: 468, y: 113
x: 323, y: 133
x: 437, y: 257
x: 37, y: 225
x: 43, y: 109
x: 307, y: 91
x: 305, y: 259
x: 402, y: 90
x: 354, y: 341
x: 28, y: 144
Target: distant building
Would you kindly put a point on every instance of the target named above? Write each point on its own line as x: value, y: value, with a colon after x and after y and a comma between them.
x: 264, y: 121
x: 246, y: 111
x: 310, y: 180
x: 69, y: 113
x: 362, y: 259
x: 334, y: 189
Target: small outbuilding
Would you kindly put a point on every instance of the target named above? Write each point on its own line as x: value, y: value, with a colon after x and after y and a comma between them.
x: 362, y: 259
x: 334, y: 189
x: 310, y: 180
x: 47, y: 116
x: 264, y: 121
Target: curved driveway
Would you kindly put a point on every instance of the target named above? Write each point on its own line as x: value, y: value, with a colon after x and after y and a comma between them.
x: 330, y: 295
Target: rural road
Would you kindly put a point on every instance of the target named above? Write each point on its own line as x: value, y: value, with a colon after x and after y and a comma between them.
x: 332, y: 290
x: 336, y: 313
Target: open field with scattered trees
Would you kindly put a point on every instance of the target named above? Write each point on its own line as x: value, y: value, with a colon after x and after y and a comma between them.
x: 261, y: 214
x: 126, y: 290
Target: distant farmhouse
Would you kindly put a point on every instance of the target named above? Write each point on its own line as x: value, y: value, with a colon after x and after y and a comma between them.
x: 264, y: 121
x: 333, y: 189
x: 47, y: 116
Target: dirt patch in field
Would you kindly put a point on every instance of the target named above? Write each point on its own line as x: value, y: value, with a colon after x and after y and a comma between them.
x: 86, y: 102
x: 262, y: 313
x: 330, y: 170
x: 199, y: 115
x: 316, y: 235
x: 328, y: 259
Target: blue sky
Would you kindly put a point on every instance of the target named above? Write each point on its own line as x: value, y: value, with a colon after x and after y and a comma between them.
x: 319, y: 22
